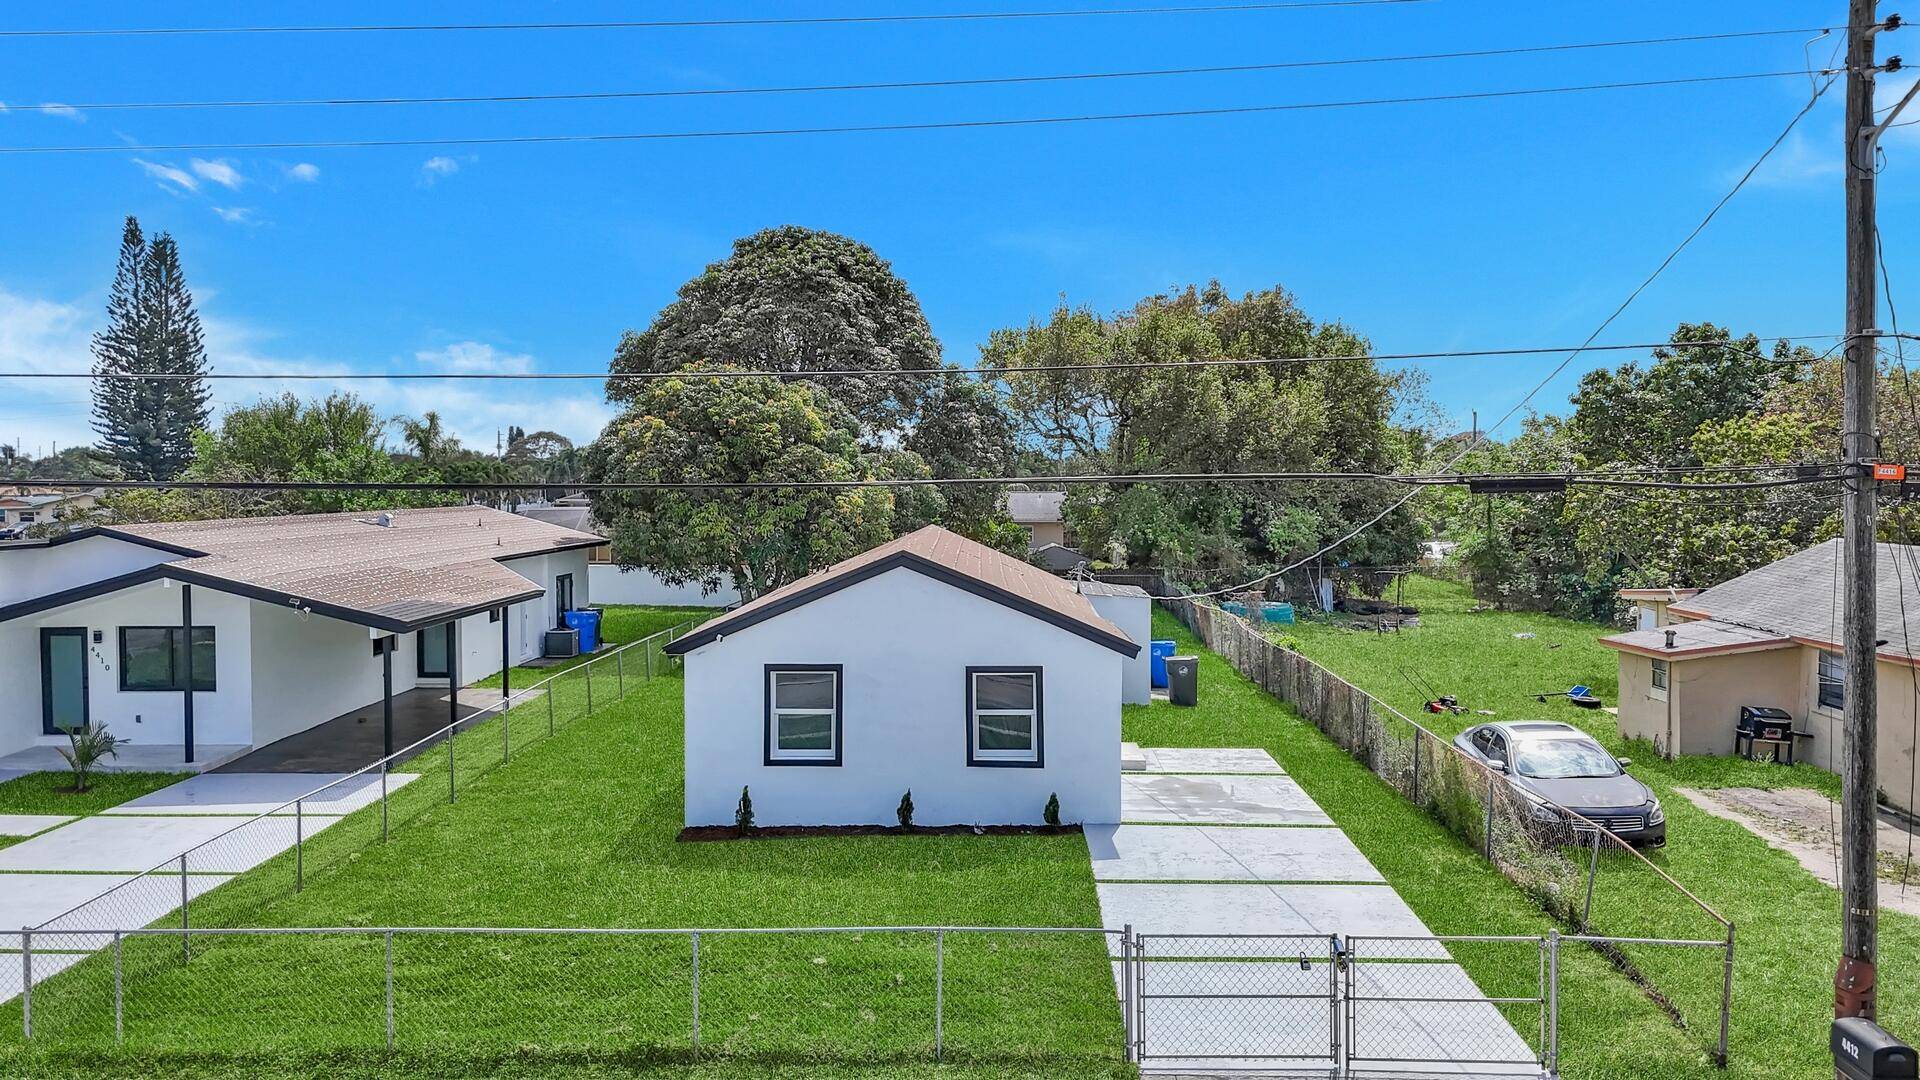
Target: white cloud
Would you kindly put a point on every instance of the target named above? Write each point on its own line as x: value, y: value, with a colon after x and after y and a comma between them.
x: 220, y: 171
x: 237, y: 215
x: 171, y: 177
x: 474, y: 357
x: 65, y: 112
x: 306, y: 172
x: 432, y: 169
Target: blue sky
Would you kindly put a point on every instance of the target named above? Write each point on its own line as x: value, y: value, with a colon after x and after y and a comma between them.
x: 1425, y: 227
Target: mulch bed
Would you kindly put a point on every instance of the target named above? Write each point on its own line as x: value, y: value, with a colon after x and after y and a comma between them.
x: 699, y: 833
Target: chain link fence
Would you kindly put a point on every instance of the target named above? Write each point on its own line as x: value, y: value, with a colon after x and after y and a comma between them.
x: 815, y: 994
x: 1582, y: 872
x: 230, y: 877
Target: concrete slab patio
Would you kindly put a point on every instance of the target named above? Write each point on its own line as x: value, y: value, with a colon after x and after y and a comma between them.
x: 260, y: 793
x: 134, y: 756
x: 29, y: 824
x: 353, y: 740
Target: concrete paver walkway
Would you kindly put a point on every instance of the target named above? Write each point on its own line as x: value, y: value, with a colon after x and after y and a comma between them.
x: 1222, y: 855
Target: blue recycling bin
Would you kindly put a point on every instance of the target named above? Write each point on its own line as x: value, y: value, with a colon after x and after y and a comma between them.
x: 1157, y: 665
x: 588, y: 624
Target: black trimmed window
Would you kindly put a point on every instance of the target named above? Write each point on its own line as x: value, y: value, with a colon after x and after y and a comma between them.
x: 1005, y: 717
x: 1833, y: 681
x: 803, y: 714
x: 152, y: 658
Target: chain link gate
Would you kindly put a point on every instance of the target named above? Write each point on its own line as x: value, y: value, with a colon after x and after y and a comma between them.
x: 1327, y: 1006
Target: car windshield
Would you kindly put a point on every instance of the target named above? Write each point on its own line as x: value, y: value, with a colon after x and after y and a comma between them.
x: 1564, y: 759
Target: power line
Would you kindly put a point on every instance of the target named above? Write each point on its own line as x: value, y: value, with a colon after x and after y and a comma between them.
x: 858, y: 129
x: 763, y: 373
x: 1479, y: 437
x: 1009, y: 80
x: 681, y: 24
x: 1804, y: 475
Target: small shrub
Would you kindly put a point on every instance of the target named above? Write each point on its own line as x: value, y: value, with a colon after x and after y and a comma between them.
x: 1052, y: 813
x: 905, y: 812
x: 86, y: 746
x: 743, y: 814
x: 1286, y: 641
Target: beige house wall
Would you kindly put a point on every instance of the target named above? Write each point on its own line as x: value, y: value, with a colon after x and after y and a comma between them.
x: 1042, y: 533
x: 1704, y: 696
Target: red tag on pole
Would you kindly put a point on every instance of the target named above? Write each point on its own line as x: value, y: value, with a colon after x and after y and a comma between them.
x: 1885, y: 471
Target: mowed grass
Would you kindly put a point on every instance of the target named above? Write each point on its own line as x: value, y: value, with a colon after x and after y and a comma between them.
x: 619, y: 624
x: 577, y: 829
x: 45, y: 792
x: 1787, y: 924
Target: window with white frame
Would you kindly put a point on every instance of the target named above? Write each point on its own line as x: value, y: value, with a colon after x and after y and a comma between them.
x: 803, y: 714
x: 1004, y: 722
x: 1833, y: 681
x: 1658, y: 685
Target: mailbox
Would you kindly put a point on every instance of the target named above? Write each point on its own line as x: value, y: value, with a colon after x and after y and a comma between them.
x: 1863, y: 1050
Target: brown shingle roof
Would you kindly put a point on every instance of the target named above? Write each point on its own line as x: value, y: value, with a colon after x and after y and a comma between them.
x: 425, y: 566
x: 945, y: 556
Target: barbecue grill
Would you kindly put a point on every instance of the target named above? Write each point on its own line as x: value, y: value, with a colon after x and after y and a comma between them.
x: 1765, y: 724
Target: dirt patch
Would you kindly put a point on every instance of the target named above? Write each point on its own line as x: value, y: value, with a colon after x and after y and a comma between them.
x: 698, y: 833
x: 1802, y: 823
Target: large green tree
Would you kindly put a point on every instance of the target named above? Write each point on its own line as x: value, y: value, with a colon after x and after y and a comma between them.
x: 339, y: 438
x: 1072, y: 393
x: 731, y: 430
x: 147, y: 425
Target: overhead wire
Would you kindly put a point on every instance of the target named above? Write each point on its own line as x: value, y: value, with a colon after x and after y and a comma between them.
x: 1480, y: 436
x: 66, y: 107
x: 863, y: 129
x: 682, y: 24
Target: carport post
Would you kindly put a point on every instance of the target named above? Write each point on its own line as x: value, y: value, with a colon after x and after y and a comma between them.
x: 186, y: 695
x: 386, y: 704
x: 506, y: 661
x: 453, y: 698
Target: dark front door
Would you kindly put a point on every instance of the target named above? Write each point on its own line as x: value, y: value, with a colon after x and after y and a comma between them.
x: 63, y: 678
x: 436, y: 644
x: 562, y: 599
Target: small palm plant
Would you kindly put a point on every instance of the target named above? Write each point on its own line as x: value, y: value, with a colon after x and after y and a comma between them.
x: 86, y: 747
x: 743, y: 814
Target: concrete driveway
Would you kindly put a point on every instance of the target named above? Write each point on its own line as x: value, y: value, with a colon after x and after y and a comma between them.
x: 1237, y: 882
x: 99, y: 872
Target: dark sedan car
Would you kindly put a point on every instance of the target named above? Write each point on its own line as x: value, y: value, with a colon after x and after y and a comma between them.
x: 1547, y: 762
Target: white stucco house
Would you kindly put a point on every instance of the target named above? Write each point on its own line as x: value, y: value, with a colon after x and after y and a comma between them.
x: 1130, y: 608
x: 931, y: 663
x: 619, y: 583
x: 292, y: 621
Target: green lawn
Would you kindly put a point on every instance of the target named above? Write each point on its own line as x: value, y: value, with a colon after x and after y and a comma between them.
x: 578, y: 829
x: 1788, y: 932
x: 41, y: 792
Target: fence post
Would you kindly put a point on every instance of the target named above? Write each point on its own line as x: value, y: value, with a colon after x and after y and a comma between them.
x: 389, y: 991
x: 383, y: 802
x: 506, y: 741
x: 620, y: 670
x: 1126, y: 989
x: 939, y: 990
x: 1489, y: 779
x: 299, y: 845
x: 1553, y: 1001
x: 26, y: 983
x: 1416, y: 766
x: 649, y: 651
x: 548, y: 694
x: 451, y: 792
x: 1726, y: 998
x: 185, y: 954
x: 119, y: 997
x: 588, y: 668
x: 1593, y: 871
x: 696, y: 994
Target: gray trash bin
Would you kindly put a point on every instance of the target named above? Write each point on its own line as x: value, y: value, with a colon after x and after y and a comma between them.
x: 1183, y: 680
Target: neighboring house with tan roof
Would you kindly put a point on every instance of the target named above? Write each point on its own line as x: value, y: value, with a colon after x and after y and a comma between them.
x: 293, y: 620
x: 932, y: 663
x: 21, y: 508
x: 1043, y: 515
x: 623, y: 583
x: 1771, y: 637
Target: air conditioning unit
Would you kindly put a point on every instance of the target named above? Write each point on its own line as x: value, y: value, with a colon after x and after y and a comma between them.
x: 563, y: 642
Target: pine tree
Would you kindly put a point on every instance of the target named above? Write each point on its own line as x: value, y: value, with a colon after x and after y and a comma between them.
x: 146, y: 425
x: 173, y: 327
x: 124, y: 431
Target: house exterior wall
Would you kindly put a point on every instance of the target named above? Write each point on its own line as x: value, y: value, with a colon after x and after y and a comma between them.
x: 306, y: 671
x: 20, y: 676
x: 36, y: 570
x: 904, y: 642
x: 1705, y: 695
x: 616, y: 584
x: 1134, y: 616
x: 1042, y: 533
x: 221, y: 715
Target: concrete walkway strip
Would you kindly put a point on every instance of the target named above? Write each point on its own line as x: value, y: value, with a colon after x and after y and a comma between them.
x: 1225, y: 853
x: 260, y: 793
x: 1182, y: 908
x: 32, y: 899
x: 1216, y: 800
x: 1208, y: 759
x: 29, y: 824
x: 133, y: 844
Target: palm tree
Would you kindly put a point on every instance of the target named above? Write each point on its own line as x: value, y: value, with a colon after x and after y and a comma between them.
x: 428, y: 437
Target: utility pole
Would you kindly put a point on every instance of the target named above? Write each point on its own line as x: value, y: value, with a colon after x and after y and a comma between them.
x: 1853, y: 984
